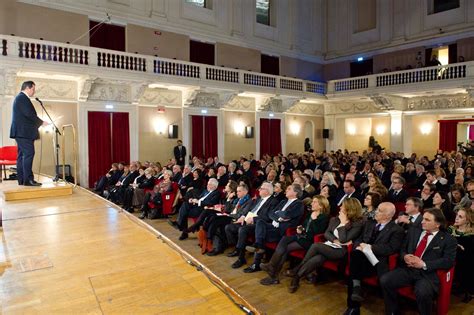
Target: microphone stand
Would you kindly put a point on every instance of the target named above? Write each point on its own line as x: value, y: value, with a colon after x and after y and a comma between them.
x: 56, y: 146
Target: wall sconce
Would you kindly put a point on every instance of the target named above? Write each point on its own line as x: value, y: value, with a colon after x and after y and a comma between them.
x: 351, y: 129
x: 426, y: 128
x: 239, y: 127
x: 295, y: 128
x: 248, y: 132
x: 380, y: 129
x: 173, y: 131
x: 159, y: 125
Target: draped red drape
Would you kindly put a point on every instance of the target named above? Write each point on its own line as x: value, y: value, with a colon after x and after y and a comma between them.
x: 109, y: 141
x: 471, y: 132
x: 204, y: 136
x: 448, y: 134
x: 100, y: 155
x: 210, y: 138
x: 197, y: 135
x: 270, y: 136
x: 120, y: 138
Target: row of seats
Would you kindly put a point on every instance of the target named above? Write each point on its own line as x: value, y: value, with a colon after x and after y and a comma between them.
x: 445, y: 276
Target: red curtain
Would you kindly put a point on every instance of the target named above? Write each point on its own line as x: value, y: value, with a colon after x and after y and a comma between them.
x: 270, y: 136
x: 210, y: 138
x: 120, y: 138
x: 100, y: 156
x: 197, y: 136
x: 471, y: 132
x: 204, y: 136
x: 448, y: 135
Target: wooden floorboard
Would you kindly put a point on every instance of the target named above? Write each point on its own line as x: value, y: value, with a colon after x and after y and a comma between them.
x: 78, y: 254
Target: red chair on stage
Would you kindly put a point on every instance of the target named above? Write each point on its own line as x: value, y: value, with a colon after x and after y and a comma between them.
x: 444, y: 295
x: 8, y: 156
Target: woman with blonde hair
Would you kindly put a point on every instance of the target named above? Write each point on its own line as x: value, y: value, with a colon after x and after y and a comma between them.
x: 463, y: 231
x: 315, y: 223
x: 342, y: 230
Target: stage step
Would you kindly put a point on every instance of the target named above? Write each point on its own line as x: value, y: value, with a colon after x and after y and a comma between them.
x: 12, y: 191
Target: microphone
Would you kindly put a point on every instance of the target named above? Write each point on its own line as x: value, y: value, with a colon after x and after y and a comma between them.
x: 37, y: 99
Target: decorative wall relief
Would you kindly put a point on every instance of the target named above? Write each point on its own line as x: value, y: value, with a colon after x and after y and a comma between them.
x: 56, y: 90
x: 110, y: 92
x: 307, y: 109
x: 444, y: 102
x: 161, y: 97
x: 8, y: 82
x: 351, y: 108
x: 241, y: 103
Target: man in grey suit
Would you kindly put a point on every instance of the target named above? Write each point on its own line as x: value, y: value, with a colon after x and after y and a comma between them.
x: 24, y: 129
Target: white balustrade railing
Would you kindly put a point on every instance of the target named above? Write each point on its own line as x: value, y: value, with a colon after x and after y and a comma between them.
x: 13, y: 47
x: 414, y: 76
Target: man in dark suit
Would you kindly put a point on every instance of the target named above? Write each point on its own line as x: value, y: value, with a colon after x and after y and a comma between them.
x: 424, y: 252
x: 348, y: 191
x: 412, y: 216
x: 285, y: 215
x: 238, y: 232
x: 396, y: 193
x: 24, y: 129
x: 193, y: 207
x: 179, y: 152
x: 381, y: 237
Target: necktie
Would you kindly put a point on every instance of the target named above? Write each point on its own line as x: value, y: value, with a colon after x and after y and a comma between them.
x: 411, y: 218
x: 422, y: 246
x: 257, y: 206
x: 342, y: 199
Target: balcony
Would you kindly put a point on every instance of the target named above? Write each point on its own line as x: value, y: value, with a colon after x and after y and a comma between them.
x: 89, y: 59
x: 451, y: 76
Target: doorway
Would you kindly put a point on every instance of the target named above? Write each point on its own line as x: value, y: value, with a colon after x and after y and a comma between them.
x: 108, y: 142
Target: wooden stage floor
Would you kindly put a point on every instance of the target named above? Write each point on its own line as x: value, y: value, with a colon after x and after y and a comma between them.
x: 80, y: 254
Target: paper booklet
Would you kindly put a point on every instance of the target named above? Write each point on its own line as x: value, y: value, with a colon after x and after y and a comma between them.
x: 370, y: 255
x: 333, y: 245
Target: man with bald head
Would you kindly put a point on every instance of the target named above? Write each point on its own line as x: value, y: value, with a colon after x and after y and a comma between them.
x: 381, y: 237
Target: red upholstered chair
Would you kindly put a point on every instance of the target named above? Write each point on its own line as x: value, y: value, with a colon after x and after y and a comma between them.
x: 374, y: 280
x: 444, y: 294
x: 8, y: 156
x: 168, y: 199
x: 399, y: 207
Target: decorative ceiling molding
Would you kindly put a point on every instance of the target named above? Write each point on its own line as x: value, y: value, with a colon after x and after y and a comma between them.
x: 137, y: 91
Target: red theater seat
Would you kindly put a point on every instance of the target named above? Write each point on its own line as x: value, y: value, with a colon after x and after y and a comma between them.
x: 8, y: 156
x: 444, y: 294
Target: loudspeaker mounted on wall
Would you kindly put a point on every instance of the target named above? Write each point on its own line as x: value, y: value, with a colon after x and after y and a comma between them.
x: 248, y: 132
x: 325, y: 133
x: 173, y: 131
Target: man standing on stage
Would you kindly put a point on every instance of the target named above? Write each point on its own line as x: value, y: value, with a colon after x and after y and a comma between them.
x: 24, y: 129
